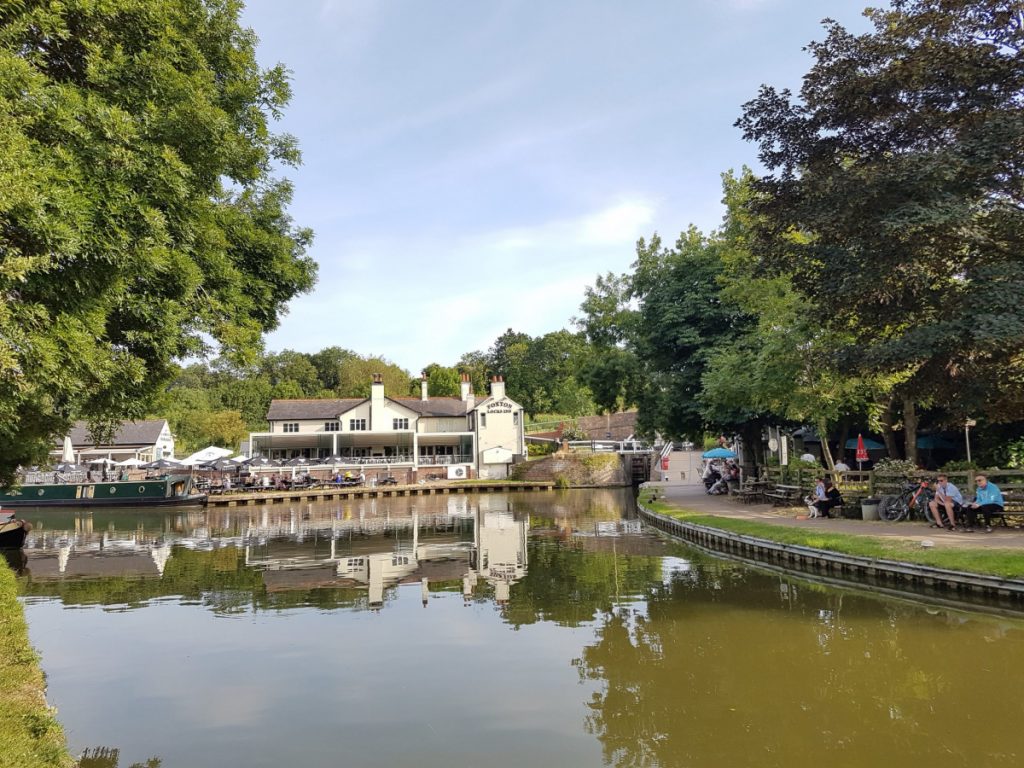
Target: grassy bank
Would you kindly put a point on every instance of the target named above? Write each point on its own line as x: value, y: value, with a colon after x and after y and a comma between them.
x: 1006, y: 563
x: 30, y: 736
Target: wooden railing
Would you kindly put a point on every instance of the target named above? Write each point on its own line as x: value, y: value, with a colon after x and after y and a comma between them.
x: 873, y: 483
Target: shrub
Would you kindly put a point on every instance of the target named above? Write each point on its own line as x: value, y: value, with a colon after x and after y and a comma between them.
x: 561, y: 481
x: 895, y: 466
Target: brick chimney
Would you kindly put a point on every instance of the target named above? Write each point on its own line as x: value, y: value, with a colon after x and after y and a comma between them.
x: 498, y: 387
x: 423, y: 387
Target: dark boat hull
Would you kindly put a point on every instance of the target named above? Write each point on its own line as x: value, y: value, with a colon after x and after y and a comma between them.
x: 194, y: 500
x: 13, y: 539
x: 171, y: 491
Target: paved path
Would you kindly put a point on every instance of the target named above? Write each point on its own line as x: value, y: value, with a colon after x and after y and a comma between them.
x: 694, y: 497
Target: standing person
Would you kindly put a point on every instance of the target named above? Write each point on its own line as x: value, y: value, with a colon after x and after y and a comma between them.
x: 832, y: 499
x: 988, y: 500
x: 948, y: 498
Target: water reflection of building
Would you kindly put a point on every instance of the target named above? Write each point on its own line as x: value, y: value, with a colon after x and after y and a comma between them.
x: 373, y: 544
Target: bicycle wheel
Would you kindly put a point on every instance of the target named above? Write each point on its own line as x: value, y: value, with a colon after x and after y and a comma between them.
x: 893, y: 508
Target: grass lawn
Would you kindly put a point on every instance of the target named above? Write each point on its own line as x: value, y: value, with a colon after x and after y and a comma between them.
x: 30, y: 736
x: 1007, y: 563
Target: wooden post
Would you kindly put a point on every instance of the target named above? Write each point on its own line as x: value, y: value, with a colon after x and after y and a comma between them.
x: 871, y: 483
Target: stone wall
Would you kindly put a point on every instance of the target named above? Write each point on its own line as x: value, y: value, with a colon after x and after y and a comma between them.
x: 574, y: 470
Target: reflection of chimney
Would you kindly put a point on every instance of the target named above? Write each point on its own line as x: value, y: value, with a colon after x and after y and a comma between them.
x: 423, y: 387
x: 498, y: 387
x: 377, y: 402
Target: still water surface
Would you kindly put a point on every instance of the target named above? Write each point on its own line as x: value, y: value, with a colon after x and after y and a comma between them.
x: 530, y: 629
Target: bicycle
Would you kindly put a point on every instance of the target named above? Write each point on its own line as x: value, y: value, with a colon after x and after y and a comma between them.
x: 911, y: 503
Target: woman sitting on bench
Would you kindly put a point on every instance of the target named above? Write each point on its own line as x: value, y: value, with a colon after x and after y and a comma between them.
x: 832, y: 499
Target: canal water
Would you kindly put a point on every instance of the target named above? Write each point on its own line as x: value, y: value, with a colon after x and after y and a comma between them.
x: 546, y: 629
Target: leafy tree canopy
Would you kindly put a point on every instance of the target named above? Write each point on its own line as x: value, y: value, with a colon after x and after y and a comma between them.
x: 139, y: 218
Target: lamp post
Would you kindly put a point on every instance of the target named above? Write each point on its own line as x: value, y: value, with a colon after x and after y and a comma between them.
x: 967, y: 435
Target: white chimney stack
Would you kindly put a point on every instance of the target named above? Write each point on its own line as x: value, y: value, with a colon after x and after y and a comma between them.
x: 498, y: 387
x: 377, y: 403
x: 423, y: 387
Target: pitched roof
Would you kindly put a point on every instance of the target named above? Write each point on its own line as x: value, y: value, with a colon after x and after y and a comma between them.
x: 434, y: 406
x: 327, y: 408
x: 145, y: 432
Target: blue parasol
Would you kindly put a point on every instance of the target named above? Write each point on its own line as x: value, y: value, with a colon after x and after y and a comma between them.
x: 719, y: 453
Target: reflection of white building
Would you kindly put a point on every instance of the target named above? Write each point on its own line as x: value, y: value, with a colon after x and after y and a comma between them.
x: 499, y: 553
x: 413, y: 437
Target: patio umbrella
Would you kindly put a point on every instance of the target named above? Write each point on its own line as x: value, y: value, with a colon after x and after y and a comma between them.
x: 333, y: 460
x: 68, y: 454
x: 163, y: 464
x: 222, y: 465
x: 298, y: 461
x: 67, y: 466
x: 871, y: 445
x: 862, y: 452
x: 719, y: 453
x: 131, y: 463
x: 260, y: 461
x: 103, y: 460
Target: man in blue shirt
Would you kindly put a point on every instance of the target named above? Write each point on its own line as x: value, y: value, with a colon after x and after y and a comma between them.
x: 988, y: 500
x: 947, y: 498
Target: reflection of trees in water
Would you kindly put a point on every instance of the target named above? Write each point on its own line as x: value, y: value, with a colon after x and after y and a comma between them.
x: 727, y: 668
x: 569, y: 586
x: 109, y: 757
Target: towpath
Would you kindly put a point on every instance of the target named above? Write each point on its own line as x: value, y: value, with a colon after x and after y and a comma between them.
x: 694, y: 498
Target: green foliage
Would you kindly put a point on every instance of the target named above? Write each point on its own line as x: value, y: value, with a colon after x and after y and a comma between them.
x: 1015, y: 454
x: 896, y: 202
x: 895, y: 466
x: 442, y: 381
x: 31, y: 737
x: 139, y: 220
x: 573, y: 431
x: 561, y: 482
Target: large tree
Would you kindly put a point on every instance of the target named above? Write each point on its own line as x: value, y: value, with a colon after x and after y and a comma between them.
x: 896, y: 199
x: 140, y: 220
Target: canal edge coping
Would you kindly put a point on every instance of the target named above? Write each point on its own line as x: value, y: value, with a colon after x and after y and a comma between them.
x: 798, y: 556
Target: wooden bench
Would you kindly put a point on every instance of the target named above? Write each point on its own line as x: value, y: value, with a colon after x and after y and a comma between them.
x: 780, y: 495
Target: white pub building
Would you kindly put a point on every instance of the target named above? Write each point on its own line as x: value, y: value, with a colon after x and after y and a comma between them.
x: 409, y: 438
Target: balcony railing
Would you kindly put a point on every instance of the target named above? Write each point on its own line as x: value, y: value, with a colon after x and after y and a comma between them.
x: 436, y: 461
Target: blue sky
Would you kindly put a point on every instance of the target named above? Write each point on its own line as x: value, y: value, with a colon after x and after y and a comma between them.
x: 471, y: 166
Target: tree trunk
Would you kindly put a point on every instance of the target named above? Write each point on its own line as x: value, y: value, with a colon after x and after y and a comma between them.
x: 844, y: 434
x: 826, y: 452
x: 754, y: 452
x: 888, y: 435
x: 910, y: 430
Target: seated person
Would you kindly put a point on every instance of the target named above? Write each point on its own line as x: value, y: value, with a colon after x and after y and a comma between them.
x: 816, y: 496
x: 832, y: 499
x: 947, y: 498
x: 988, y: 500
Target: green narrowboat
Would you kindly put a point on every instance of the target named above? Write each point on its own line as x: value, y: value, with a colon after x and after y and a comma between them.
x: 170, y: 491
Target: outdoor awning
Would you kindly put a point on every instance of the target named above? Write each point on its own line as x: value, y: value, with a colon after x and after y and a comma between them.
x: 871, y: 445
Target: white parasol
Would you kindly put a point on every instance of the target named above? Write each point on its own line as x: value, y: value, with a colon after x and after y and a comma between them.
x: 67, y: 456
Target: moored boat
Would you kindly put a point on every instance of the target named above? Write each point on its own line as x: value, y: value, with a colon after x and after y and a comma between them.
x: 12, y: 532
x: 170, y: 491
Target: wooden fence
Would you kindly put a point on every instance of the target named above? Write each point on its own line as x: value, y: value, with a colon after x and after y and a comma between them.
x: 857, y: 485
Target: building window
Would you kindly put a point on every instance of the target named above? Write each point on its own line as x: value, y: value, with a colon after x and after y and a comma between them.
x: 291, y: 426
x: 471, y: 422
x: 483, y: 420
x: 515, y: 418
x: 357, y: 425
x: 332, y: 426
x: 399, y: 423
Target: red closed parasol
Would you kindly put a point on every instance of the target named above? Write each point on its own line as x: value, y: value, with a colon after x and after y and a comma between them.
x: 862, y: 451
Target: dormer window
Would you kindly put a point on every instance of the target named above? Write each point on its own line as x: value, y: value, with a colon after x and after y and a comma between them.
x: 357, y: 425
x: 332, y: 426
x: 290, y: 426
x: 399, y: 424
